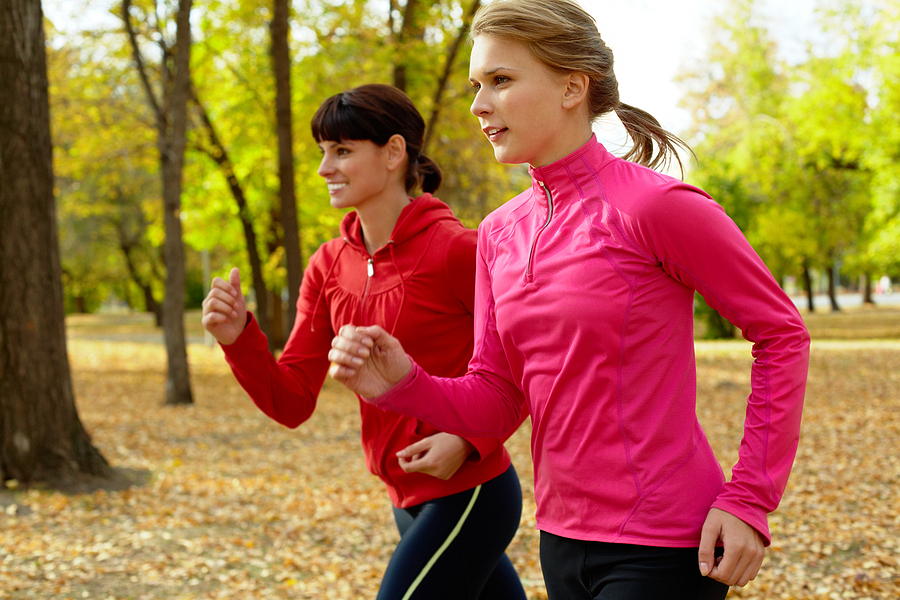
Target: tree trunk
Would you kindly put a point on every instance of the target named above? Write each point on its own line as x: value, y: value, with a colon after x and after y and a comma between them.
x: 866, y: 285
x: 452, y: 52
x: 41, y: 435
x: 408, y: 32
x: 276, y: 314
x: 278, y: 320
x: 171, y: 121
x: 150, y: 303
x: 289, y: 220
x: 807, y: 285
x: 832, y: 290
x: 172, y: 147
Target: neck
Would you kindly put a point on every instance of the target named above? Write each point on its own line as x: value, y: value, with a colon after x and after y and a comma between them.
x: 576, y: 135
x: 378, y: 222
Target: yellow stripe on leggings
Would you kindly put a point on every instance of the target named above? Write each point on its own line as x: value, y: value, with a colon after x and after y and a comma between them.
x: 444, y: 546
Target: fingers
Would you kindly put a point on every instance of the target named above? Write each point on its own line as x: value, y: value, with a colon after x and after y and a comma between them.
x: 739, y: 564
x: 220, y: 301
x: 743, y: 549
x: 223, y: 308
x: 417, y: 448
x: 349, y: 349
x: 413, y: 464
x: 234, y: 279
x: 707, y: 553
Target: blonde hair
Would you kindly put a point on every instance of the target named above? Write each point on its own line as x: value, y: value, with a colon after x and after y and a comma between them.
x: 564, y: 37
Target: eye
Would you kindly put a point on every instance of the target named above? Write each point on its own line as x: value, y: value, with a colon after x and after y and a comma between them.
x: 500, y: 79
x: 342, y: 151
x: 475, y: 87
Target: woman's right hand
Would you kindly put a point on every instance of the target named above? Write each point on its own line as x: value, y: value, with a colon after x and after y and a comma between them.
x: 368, y: 360
x: 225, y: 309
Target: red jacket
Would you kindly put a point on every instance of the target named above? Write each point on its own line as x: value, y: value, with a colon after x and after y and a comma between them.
x: 420, y: 287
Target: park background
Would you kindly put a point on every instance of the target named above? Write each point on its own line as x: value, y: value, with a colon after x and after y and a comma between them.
x: 790, y: 107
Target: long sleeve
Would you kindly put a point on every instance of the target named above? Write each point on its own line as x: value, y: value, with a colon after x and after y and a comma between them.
x: 699, y: 246
x: 484, y: 402
x: 286, y: 389
x: 461, y: 275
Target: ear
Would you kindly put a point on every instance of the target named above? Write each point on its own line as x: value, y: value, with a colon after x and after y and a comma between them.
x: 576, y: 92
x: 396, y: 151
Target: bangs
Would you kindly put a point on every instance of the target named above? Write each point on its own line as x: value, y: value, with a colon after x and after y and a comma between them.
x: 336, y: 121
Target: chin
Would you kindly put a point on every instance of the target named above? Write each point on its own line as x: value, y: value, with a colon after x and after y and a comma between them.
x: 507, y: 158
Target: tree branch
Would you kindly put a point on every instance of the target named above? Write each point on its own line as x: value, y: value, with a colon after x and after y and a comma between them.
x: 139, y: 60
x: 448, y: 69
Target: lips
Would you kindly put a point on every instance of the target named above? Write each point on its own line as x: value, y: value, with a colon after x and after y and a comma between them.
x: 493, y: 133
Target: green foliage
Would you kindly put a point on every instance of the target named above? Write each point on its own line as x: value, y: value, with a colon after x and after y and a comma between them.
x: 804, y: 157
x: 714, y: 326
x: 106, y: 174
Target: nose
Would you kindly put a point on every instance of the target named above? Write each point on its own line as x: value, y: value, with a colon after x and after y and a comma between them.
x: 325, y: 166
x: 480, y: 105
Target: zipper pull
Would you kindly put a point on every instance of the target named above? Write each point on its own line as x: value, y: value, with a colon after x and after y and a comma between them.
x: 370, y: 268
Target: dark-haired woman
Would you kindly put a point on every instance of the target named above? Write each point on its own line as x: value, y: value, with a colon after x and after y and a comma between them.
x: 408, y: 265
x: 584, y: 290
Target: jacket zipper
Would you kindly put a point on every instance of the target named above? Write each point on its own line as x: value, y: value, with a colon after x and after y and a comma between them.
x: 370, y: 272
x: 528, y: 268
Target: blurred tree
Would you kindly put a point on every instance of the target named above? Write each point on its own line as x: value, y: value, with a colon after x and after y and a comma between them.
x: 875, y: 31
x: 231, y: 194
x: 281, y: 61
x: 736, y: 95
x: 829, y: 112
x: 169, y: 106
x: 107, y: 177
x: 211, y: 145
x: 41, y: 435
x: 782, y: 147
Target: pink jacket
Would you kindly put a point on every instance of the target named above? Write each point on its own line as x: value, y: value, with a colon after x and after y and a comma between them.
x: 583, y: 310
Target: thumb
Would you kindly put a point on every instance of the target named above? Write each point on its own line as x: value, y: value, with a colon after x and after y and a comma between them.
x: 234, y: 279
x: 706, y: 556
x: 378, y: 334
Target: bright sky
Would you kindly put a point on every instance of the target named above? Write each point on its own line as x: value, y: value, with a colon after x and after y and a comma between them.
x: 653, y: 39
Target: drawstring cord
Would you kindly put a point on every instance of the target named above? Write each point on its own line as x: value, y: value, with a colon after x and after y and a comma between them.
x: 312, y: 318
x: 402, y: 285
x: 312, y: 326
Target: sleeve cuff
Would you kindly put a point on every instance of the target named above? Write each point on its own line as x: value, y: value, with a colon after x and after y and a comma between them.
x: 385, y: 400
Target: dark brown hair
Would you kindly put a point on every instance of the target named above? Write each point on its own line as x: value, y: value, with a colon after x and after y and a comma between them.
x: 564, y: 37
x: 376, y: 112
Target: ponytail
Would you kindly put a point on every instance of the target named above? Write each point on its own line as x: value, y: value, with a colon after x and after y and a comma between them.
x: 644, y: 130
x: 564, y: 37
x: 426, y: 174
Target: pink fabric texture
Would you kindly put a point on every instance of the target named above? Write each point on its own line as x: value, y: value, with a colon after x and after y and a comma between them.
x: 583, y: 315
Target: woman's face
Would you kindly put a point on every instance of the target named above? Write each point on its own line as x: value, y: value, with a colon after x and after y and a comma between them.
x: 519, y: 102
x: 356, y: 171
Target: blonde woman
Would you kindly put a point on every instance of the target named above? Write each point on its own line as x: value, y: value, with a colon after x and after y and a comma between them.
x: 583, y: 315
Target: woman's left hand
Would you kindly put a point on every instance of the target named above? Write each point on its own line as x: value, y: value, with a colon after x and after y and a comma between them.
x: 440, y: 455
x: 744, y: 549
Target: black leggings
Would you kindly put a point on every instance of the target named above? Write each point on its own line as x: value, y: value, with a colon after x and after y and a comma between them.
x: 453, y: 548
x: 580, y: 570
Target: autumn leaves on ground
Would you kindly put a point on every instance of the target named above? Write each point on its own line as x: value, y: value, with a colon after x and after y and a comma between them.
x: 227, y: 504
